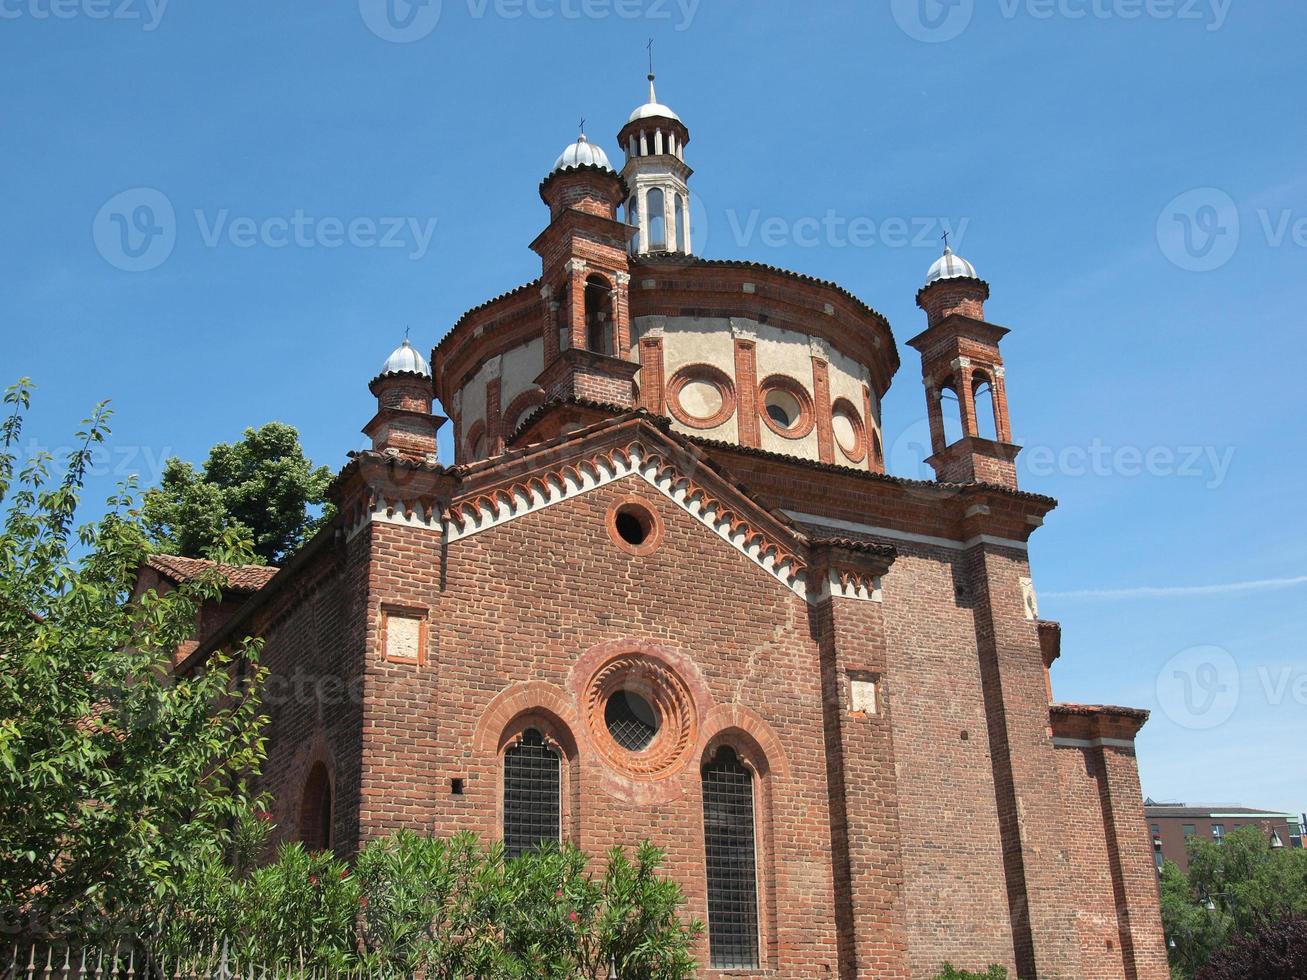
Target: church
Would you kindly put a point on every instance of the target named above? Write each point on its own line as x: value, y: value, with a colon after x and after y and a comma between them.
x: 666, y: 590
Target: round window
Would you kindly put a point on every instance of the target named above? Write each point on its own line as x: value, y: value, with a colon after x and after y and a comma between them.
x: 782, y: 408
x: 630, y: 720
x: 786, y: 407
x: 633, y: 526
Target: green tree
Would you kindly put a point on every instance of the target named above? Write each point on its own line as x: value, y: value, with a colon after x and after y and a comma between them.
x: 262, y: 487
x: 117, y: 778
x: 1232, y: 890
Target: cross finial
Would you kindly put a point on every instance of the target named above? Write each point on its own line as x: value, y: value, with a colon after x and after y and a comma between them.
x: 650, y: 47
x: 406, y: 330
x: 946, y: 239
x: 581, y: 126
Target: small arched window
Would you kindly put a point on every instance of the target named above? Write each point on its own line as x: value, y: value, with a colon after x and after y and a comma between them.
x: 728, y: 831
x: 598, y: 315
x: 983, y: 399
x: 951, y: 409
x: 315, y: 810
x: 655, y: 208
x: 680, y: 224
x: 532, y: 794
x: 633, y: 219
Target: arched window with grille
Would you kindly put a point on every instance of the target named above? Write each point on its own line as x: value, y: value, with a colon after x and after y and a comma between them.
x: 731, y: 860
x: 532, y: 793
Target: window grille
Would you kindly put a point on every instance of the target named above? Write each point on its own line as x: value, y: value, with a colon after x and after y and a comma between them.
x: 732, y: 872
x: 532, y: 794
x: 630, y: 720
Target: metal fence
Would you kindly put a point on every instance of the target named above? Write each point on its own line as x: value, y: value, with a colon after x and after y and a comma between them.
x: 127, y: 961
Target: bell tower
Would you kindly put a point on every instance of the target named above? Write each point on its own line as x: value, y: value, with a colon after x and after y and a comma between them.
x: 654, y: 140
x: 962, y: 371
x: 585, y: 281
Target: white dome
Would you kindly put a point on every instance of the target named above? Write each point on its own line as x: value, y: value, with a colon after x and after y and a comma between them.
x: 582, y: 153
x: 650, y: 109
x: 406, y: 359
x: 950, y: 266
x: 653, y: 108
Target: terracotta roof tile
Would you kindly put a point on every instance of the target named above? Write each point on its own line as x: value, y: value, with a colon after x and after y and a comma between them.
x: 240, y: 578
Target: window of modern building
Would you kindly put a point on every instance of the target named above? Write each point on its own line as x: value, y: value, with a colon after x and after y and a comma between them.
x: 532, y: 794
x: 1218, y: 832
x: 728, y: 826
x: 1190, y: 830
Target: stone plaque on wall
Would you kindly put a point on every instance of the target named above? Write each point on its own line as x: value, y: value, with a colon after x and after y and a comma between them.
x: 404, y: 637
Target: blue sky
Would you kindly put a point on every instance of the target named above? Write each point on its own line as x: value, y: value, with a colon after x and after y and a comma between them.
x: 1127, y: 174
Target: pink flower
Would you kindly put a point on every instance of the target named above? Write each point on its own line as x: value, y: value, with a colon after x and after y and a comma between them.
x: 344, y: 873
x: 558, y: 894
x: 313, y: 879
x: 363, y: 901
x: 573, y: 916
x: 265, y: 816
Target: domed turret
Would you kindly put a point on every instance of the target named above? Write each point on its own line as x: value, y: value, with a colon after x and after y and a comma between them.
x: 950, y: 266
x: 405, y: 359
x: 654, y: 139
x: 582, y: 153
x: 404, y: 424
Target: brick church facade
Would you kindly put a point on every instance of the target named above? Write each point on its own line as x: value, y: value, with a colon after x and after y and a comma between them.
x: 666, y: 590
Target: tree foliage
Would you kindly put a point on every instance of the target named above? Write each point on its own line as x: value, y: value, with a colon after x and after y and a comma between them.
x: 949, y: 972
x: 1274, y: 951
x: 442, y: 909
x: 263, y: 488
x: 116, y: 778
x: 1233, y: 890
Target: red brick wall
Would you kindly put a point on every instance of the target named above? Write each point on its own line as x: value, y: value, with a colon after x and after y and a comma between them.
x: 935, y: 830
x: 520, y: 604
x: 955, y: 901
x: 315, y: 692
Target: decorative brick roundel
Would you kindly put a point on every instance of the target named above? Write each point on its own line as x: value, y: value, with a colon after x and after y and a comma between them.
x: 850, y: 433
x: 662, y: 689
x: 785, y: 406
x: 701, y: 396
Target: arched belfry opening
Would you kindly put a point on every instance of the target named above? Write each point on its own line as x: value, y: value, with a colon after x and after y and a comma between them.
x: 599, y: 315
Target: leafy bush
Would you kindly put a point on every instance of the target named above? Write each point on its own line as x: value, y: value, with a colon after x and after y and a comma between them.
x: 1275, y: 951
x: 950, y: 972
x: 441, y: 908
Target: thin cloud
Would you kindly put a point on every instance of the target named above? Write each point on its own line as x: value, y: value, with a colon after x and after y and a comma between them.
x: 1180, y: 591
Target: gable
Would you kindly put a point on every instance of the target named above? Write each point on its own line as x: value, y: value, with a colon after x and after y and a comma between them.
x: 740, y: 524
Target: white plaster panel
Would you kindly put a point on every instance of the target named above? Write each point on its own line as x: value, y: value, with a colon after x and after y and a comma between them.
x: 522, y: 365
x: 690, y: 340
x: 790, y: 353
